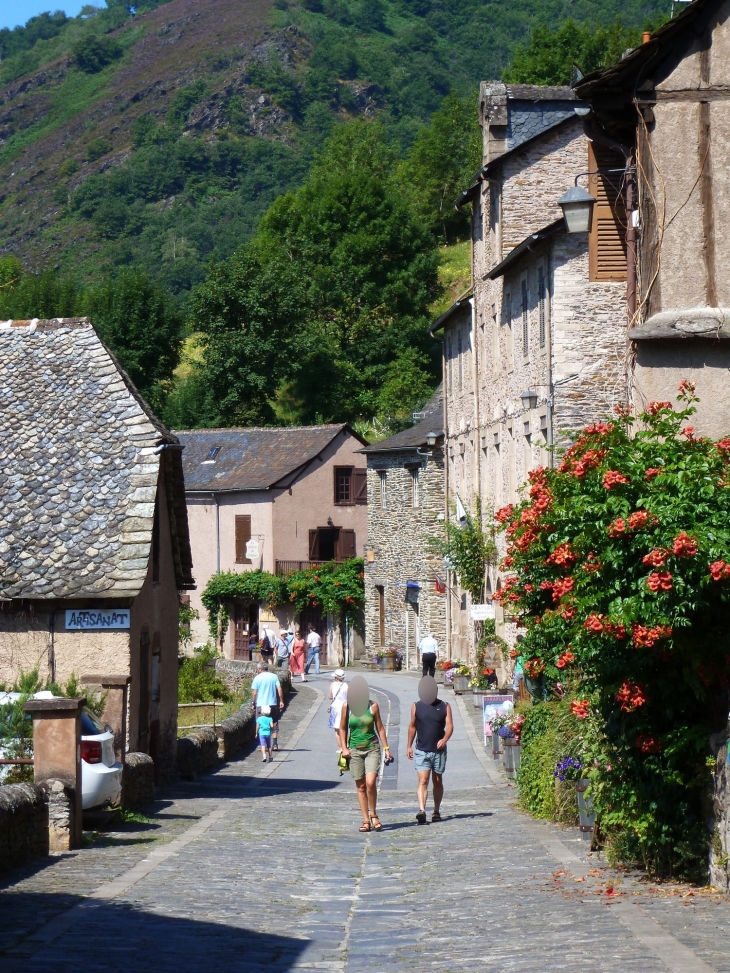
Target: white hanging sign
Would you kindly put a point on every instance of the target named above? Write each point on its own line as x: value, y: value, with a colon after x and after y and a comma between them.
x: 480, y: 613
x: 252, y: 550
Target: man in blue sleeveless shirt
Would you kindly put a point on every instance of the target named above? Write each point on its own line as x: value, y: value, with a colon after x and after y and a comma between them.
x: 430, y: 727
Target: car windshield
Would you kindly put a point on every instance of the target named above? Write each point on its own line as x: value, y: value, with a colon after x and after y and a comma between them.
x: 91, y: 725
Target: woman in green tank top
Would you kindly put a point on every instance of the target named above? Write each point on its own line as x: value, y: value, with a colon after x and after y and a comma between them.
x: 360, y: 733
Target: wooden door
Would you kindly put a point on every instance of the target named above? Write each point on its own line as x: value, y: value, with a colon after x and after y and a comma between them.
x: 241, y: 623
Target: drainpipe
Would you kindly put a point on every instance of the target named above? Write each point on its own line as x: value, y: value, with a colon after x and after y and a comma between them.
x: 217, y: 535
x: 630, y: 242
x: 475, y: 379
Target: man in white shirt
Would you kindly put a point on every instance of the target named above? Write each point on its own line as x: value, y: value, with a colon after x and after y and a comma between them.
x: 314, y: 643
x: 429, y: 649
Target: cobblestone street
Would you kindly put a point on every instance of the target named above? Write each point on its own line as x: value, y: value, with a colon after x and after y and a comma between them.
x: 261, y: 867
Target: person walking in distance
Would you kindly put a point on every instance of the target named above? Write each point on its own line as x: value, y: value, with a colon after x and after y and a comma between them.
x: 266, y: 691
x: 314, y: 643
x: 430, y: 727
x: 429, y: 649
x: 337, y: 698
x: 296, y: 662
x: 264, y: 724
x: 361, y: 734
x: 282, y: 648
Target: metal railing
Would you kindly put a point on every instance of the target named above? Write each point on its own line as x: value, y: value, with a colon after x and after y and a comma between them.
x: 199, y: 726
x: 289, y: 567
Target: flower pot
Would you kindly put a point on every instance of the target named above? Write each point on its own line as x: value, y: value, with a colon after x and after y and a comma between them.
x: 440, y: 677
x: 509, y: 744
x: 478, y: 698
x: 586, y: 814
x: 461, y: 684
x: 255, y: 654
x: 496, y: 745
x: 517, y: 757
x: 390, y: 657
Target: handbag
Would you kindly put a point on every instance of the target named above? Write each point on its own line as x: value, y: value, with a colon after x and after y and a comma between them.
x: 343, y: 763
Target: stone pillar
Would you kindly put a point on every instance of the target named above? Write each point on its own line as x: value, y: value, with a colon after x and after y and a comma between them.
x: 57, y: 749
x: 115, y: 707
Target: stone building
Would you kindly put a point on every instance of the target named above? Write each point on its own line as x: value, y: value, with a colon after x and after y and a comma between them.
x: 538, y: 346
x: 665, y: 105
x: 405, y: 597
x: 299, y: 493
x: 94, y: 541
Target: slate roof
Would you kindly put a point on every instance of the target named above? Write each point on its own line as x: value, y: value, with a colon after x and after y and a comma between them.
x: 78, y: 471
x: 415, y: 436
x: 253, y: 458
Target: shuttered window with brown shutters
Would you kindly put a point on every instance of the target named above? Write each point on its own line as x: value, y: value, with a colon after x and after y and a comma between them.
x: 243, y: 536
x: 360, y: 486
x: 607, y: 238
x: 345, y: 545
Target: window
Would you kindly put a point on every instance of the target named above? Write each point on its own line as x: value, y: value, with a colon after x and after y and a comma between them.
x: 350, y: 486
x: 212, y: 454
x: 525, y: 319
x: 383, y: 488
x: 414, y: 486
x: 541, y: 304
x: 607, y: 237
x: 243, y: 536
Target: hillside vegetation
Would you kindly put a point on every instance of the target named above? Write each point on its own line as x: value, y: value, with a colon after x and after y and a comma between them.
x: 167, y: 171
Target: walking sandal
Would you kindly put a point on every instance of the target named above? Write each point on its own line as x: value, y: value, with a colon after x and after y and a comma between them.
x: 365, y: 826
x: 376, y: 826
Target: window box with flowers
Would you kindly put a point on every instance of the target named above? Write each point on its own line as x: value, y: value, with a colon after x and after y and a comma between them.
x: 462, y: 677
x: 448, y: 669
x: 389, y: 660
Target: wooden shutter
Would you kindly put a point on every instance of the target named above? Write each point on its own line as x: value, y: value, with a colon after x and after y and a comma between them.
x: 360, y: 486
x: 243, y: 536
x: 607, y: 238
x: 313, y: 545
x: 346, y: 544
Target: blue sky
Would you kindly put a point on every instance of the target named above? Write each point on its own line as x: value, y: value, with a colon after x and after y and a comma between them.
x: 14, y: 12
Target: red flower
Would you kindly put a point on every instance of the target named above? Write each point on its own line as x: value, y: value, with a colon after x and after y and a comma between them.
x: 504, y: 514
x: 534, y: 668
x: 594, y: 623
x: 684, y: 545
x: 641, y: 518
x: 599, y: 428
x: 507, y: 562
x: 567, y: 612
x: 592, y: 564
x: 564, y: 659
x: 613, y: 478
x: 688, y: 431
x: 659, y: 581
x: 686, y: 388
x: 513, y: 653
x: 617, y: 528
x: 653, y: 471
x: 723, y: 446
x: 719, y: 570
x: 579, y: 708
x: 562, y: 587
x: 648, y: 744
x: 656, y: 558
x: 644, y: 637
x: 563, y: 556
x: 618, y: 631
x: 655, y: 407
x: 631, y: 696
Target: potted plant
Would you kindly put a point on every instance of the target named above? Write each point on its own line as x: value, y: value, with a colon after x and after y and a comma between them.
x: 390, y: 659
x: 496, y: 724
x: 440, y: 672
x: 569, y: 769
x: 448, y: 669
x: 510, y: 733
x: 462, y: 674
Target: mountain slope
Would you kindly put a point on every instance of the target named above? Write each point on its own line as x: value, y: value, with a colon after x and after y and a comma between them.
x: 161, y: 139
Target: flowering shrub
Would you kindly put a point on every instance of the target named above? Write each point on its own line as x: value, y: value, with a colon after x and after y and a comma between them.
x: 619, y: 565
x: 568, y: 768
x: 334, y: 587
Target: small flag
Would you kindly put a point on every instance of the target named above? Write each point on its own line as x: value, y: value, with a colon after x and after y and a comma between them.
x: 440, y: 586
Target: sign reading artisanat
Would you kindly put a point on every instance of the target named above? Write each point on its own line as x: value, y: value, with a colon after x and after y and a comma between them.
x: 97, y: 619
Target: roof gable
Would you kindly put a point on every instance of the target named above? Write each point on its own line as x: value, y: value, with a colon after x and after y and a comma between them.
x: 254, y: 458
x: 79, y: 468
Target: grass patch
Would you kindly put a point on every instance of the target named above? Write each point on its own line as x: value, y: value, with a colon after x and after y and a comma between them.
x: 454, y: 274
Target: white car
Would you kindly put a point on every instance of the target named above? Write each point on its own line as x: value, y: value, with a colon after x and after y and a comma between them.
x: 101, y: 774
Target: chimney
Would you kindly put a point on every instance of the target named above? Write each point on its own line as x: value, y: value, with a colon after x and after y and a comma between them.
x: 646, y: 37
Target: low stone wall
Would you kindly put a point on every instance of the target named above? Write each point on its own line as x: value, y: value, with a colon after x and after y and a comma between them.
x: 138, y: 781
x: 23, y: 824
x: 237, y: 675
x: 235, y: 732
x: 60, y: 797
x: 197, y: 752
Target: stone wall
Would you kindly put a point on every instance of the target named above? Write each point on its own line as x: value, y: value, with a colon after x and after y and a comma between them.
x: 235, y: 732
x: 197, y: 752
x: 138, y: 781
x: 398, y: 544
x: 23, y: 824
x: 60, y: 796
x: 238, y: 674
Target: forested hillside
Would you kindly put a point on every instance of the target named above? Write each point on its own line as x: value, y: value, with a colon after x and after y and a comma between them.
x: 140, y: 147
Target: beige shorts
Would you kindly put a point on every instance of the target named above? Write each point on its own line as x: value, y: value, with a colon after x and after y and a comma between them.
x: 365, y: 761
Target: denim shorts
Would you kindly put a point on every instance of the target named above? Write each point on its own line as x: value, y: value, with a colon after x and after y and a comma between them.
x: 265, y: 741
x: 435, y: 761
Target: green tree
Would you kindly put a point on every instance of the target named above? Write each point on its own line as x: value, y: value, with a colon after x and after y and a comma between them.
x: 142, y: 324
x: 408, y: 384
x: 249, y: 313
x: 443, y: 159
x: 549, y: 56
x: 93, y: 54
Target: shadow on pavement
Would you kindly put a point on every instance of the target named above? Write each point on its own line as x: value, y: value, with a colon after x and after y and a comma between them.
x: 444, y: 819
x: 111, y: 937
